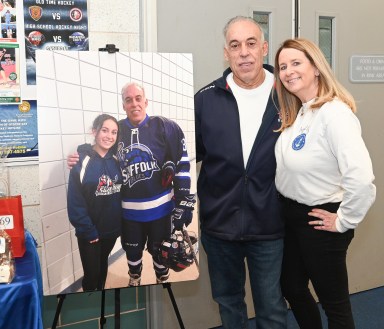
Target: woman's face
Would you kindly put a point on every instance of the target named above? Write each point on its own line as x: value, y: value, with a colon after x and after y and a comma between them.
x: 297, y: 74
x: 105, y: 138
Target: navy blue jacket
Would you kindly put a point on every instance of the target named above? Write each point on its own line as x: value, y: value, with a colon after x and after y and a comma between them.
x: 94, y: 199
x: 235, y: 203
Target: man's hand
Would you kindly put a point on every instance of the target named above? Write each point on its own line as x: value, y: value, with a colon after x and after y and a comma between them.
x: 72, y: 159
x: 182, y: 214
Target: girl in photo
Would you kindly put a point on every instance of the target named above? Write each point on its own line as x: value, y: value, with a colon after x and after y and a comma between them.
x: 94, y: 202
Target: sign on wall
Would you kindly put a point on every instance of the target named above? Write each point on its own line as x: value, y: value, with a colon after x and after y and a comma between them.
x: 18, y: 130
x: 53, y: 25
x: 8, y: 32
x: 366, y: 69
x: 10, y: 91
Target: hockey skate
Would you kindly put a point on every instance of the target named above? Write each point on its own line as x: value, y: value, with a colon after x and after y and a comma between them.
x: 162, y: 278
x: 134, y: 280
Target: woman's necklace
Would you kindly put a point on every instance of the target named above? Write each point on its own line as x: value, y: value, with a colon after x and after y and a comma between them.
x: 299, y: 141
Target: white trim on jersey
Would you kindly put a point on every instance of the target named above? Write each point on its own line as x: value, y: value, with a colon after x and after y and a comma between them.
x: 183, y: 174
x: 148, y: 204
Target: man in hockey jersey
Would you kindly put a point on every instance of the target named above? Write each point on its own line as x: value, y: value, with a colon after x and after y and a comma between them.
x: 156, y: 182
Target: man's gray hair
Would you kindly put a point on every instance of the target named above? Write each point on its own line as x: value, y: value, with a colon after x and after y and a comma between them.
x: 240, y: 19
x: 138, y: 85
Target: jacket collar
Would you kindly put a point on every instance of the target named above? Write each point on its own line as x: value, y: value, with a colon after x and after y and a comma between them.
x: 222, y: 82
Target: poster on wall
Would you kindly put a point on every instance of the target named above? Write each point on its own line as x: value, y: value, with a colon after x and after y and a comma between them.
x: 148, y: 98
x: 8, y: 21
x: 53, y: 25
x: 18, y: 131
x: 10, y: 91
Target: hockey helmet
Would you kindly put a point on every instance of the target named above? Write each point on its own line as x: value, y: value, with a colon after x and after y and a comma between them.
x: 175, y: 253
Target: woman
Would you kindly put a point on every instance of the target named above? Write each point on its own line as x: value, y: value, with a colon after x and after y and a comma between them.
x: 94, y: 202
x: 324, y: 177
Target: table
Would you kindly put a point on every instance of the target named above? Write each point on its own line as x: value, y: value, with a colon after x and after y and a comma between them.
x: 21, y: 300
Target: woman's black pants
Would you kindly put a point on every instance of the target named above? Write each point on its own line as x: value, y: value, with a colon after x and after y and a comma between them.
x: 319, y: 257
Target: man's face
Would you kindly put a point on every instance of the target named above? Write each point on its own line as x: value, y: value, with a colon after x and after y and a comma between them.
x: 135, y: 104
x: 244, y: 52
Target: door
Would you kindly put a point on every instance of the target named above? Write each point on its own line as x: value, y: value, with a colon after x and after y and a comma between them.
x: 345, y: 29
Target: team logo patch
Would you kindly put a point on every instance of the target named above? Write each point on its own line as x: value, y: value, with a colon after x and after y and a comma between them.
x: 76, y: 14
x: 35, y: 12
x: 36, y: 38
x: 137, y: 163
x: 24, y: 107
x: 107, y: 186
x: 299, y: 142
x: 77, y: 39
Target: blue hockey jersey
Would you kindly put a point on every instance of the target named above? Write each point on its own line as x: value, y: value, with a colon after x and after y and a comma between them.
x: 145, y: 153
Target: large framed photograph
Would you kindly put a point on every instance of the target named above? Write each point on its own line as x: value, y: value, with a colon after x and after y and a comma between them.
x: 132, y: 113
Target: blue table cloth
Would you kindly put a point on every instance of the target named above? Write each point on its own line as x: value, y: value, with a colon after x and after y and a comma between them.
x: 21, y: 300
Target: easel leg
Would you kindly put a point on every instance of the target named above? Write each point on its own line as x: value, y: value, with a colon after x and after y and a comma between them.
x: 102, y: 311
x: 58, y: 310
x: 117, y: 308
x: 172, y: 297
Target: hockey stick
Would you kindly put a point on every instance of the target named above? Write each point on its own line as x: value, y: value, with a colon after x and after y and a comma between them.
x: 188, y: 239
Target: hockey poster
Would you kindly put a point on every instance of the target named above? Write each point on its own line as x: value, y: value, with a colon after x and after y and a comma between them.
x: 53, y: 25
x: 18, y: 131
x: 10, y: 91
x: 8, y: 21
x: 134, y: 112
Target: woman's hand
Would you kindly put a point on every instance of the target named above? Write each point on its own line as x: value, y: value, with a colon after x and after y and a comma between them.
x: 325, y: 220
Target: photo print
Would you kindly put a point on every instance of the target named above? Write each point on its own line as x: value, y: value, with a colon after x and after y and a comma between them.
x: 130, y: 198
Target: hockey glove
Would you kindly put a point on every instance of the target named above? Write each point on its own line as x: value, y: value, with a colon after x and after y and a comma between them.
x: 167, y: 173
x: 182, y: 213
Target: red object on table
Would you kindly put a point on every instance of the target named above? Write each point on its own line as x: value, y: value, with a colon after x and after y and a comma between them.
x: 11, y: 216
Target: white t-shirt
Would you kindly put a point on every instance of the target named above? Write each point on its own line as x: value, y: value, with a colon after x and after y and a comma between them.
x: 252, y: 104
x: 332, y: 164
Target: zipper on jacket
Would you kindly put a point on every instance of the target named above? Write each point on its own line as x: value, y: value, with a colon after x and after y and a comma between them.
x: 245, y: 193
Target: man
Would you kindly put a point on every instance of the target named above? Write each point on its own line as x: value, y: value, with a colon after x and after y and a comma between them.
x: 236, y: 120
x: 156, y: 195
x: 156, y: 176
